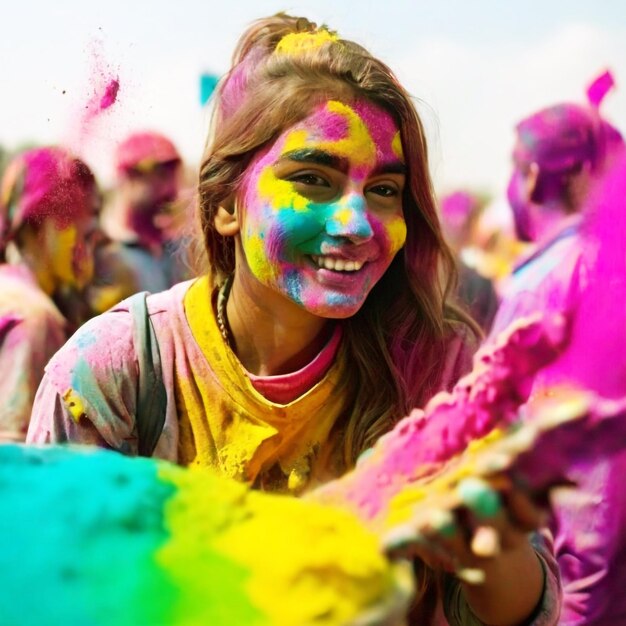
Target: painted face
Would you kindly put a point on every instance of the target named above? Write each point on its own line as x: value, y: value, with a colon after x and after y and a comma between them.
x: 321, y: 208
x: 71, y: 249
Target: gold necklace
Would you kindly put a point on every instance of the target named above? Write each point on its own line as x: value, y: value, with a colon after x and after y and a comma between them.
x: 222, y: 299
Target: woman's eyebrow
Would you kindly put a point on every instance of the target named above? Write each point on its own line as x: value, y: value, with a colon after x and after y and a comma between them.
x: 391, y: 167
x: 316, y: 156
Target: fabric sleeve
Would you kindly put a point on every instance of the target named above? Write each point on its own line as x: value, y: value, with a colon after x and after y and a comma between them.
x: 459, y: 613
x: 88, y: 393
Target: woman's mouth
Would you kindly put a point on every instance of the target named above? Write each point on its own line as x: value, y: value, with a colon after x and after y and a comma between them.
x: 336, y: 264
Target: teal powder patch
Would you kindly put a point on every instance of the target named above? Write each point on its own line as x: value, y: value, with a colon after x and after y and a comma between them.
x: 79, y: 532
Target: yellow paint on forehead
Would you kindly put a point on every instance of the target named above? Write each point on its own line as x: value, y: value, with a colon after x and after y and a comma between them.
x: 358, y: 144
x: 396, y: 146
x: 297, y: 43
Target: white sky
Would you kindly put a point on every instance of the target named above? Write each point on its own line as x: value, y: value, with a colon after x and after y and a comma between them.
x: 477, y: 65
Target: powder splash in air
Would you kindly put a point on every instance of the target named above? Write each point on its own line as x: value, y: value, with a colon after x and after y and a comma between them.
x: 110, y: 94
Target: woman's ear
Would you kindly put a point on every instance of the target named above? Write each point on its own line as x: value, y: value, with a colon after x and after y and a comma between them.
x: 227, y: 220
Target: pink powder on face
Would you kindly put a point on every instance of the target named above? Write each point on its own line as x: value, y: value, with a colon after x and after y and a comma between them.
x: 336, y: 127
x: 380, y: 124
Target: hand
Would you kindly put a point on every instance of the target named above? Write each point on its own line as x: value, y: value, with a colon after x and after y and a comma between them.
x: 491, y: 524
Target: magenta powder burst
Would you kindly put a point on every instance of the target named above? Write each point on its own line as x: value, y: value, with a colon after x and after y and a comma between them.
x: 110, y: 94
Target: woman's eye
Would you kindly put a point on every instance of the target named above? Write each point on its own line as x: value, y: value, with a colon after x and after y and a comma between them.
x: 386, y: 191
x: 312, y: 180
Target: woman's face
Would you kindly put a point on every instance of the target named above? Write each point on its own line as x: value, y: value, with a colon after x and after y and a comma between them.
x: 71, y: 248
x: 320, y: 210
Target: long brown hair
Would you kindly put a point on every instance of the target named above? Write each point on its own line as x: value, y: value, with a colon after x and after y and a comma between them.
x: 396, y: 343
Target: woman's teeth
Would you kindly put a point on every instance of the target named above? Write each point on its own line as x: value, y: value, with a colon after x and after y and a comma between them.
x: 337, y: 265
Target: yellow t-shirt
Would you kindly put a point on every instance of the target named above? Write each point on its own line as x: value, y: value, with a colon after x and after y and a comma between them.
x: 225, y: 423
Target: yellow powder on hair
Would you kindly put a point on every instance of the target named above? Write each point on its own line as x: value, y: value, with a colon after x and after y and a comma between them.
x: 297, y: 43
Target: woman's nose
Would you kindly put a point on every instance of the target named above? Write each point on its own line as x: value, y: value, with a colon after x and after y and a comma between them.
x: 349, y: 219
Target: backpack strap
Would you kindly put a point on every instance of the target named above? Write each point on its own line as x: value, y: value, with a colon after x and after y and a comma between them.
x: 151, y: 394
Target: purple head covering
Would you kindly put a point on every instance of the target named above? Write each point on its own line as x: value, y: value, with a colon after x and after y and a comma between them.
x: 43, y: 183
x: 560, y: 140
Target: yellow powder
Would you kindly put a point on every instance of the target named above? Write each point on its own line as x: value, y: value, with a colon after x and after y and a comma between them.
x: 297, y: 43
x: 438, y: 489
x: 74, y: 404
x: 279, y: 192
x: 396, y: 230
x: 299, y: 562
x: 396, y: 146
x: 61, y: 260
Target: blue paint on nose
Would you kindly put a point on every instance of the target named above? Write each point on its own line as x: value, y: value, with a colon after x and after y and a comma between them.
x: 349, y: 218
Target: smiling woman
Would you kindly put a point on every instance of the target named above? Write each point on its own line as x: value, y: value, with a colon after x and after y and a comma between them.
x: 323, y: 317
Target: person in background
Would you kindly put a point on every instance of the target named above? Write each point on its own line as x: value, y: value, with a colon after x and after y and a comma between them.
x: 459, y: 215
x: 560, y: 154
x: 48, y: 227
x: 142, y: 254
x: 325, y: 315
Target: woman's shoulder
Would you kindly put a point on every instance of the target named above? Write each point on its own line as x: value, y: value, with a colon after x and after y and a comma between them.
x: 105, y: 343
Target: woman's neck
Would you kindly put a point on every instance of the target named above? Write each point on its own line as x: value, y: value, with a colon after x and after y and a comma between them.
x: 270, y: 334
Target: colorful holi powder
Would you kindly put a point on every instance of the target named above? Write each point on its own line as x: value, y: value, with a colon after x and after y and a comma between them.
x: 294, y: 44
x: 97, y: 104
x: 577, y: 413
x: 292, y: 217
x: 135, y: 541
x: 599, y: 87
x: 110, y: 94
